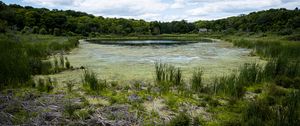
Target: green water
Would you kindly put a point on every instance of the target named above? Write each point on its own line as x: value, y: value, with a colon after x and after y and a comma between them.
x: 123, y: 63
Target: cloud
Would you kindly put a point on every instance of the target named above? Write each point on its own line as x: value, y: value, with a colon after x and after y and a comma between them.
x: 165, y: 10
x: 178, y: 4
x: 232, y: 6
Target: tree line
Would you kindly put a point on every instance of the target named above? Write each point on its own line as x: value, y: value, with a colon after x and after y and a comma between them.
x: 69, y: 22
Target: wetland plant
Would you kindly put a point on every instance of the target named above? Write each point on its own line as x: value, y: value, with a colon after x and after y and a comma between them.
x: 168, y: 75
x: 181, y: 120
x: 62, y: 60
x: 196, y: 80
x: 68, y: 65
x: 90, y: 80
x: 70, y: 86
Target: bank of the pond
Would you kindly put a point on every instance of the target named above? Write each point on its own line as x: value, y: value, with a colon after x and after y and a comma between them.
x: 179, y: 38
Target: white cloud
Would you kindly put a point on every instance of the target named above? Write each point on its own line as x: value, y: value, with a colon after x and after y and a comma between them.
x: 178, y: 4
x: 165, y: 10
x: 232, y: 6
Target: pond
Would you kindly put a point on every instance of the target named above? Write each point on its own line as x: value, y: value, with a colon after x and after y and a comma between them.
x: 126, y: 62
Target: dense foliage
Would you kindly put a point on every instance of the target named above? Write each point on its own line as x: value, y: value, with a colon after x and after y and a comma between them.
x: 69, y: 22
x: 23, y: 55
x: 281, y: 20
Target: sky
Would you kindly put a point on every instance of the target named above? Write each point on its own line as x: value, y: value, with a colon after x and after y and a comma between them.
x: 162, y: 10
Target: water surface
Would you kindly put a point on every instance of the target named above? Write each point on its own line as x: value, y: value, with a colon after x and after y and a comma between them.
x: 115, y: 62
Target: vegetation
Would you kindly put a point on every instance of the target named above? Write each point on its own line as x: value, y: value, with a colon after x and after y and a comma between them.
x: 58, y: 22
x: 168, y: 76
x: 90, y: 80
x: 197, y: 84
x: 22, y: 56
x: 255, y: 94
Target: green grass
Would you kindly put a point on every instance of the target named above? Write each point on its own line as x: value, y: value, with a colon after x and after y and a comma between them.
x: 167, y: 76
x: 91, y: 81
x: 22, y: 56
x: 269, y: 47
x: 197, y: 80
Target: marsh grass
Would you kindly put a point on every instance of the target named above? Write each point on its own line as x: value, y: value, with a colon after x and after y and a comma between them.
x: 45, y: 85
x: 168, y: 76
x: 182, y: 119
x: 90, y: 80
x: 284, y: 110
x: 234, y: 84
x: 68, y: 64
x: 70, y: 86
x: 268, y: 47
x: 197, y: 81
x: 22, y: 56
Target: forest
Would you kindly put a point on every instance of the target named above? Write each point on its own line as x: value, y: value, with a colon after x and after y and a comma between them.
x: 71, y: 23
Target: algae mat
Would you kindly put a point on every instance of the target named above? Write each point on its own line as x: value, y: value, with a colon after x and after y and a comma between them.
x: 117, y: 62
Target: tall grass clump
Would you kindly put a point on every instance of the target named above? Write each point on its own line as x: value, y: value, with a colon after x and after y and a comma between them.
x: 68, y: 65
x: 90, y: 80
x: 167, y: 76
x: 250, y: 73
x: 228, y: 85
x: 14, y: 68
x: 233, y: 85
x: 197, y: 81
x: 269, y: 48
x: 283, y: 110
x: 181, y: 120
x: 282, y: 66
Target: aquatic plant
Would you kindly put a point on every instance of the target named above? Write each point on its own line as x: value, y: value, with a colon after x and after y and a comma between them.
x: 68, y: 65
x: 196, y: 80
x: 168, y: 75
x: 90, y: 80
